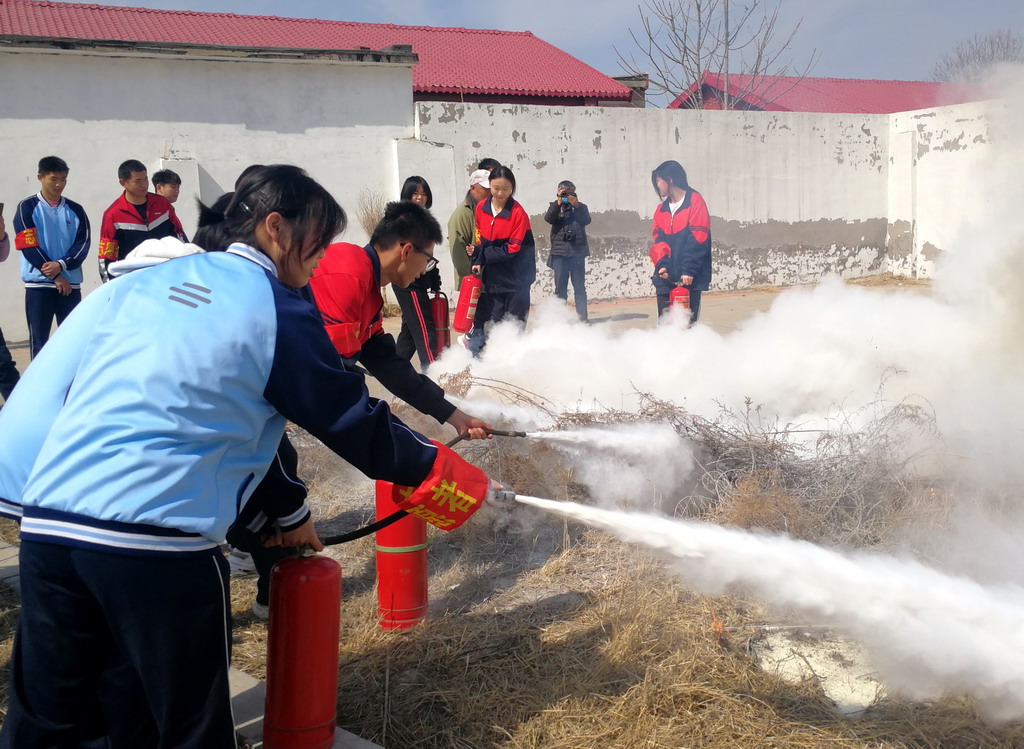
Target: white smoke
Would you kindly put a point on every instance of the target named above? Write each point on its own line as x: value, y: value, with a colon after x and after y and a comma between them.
x: 928, y: 634
x: 635, y: 465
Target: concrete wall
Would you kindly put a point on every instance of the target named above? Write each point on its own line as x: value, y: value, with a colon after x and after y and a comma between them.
x: 792, y: 196
x: 207, y: 120
x: 938, y: 157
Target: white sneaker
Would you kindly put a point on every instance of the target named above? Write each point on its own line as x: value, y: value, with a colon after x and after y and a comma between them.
x: 241, y: 563
x: 260, y: 611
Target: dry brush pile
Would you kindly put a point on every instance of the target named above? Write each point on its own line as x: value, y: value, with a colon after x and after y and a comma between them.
x: 545, y: 634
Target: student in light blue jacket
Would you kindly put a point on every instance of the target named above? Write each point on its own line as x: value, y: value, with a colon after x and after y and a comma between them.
x: 52, y: 234
x: 132, y: 443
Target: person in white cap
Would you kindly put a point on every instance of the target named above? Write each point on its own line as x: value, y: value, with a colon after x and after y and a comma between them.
x: 462, y: 225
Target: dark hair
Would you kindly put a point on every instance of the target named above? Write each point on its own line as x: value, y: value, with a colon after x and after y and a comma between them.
x: 211, y: 224
x: 506, y: 173
x: 52, y: 165
x: 281, y: 188
x: 566, y: 185
x: 165, y: 177
x: 246, y: 172
x: 128, y: 167
x: 409, y: 189
x: 405, y: 221
x: 488, y: 164
x: 672, y: 172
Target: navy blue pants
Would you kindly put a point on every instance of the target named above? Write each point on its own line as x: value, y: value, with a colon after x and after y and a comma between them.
x: 8, y: 372
x: 694, y: 304
x: 119, y: 651
x: 41, y: 307
x: 571, y: 267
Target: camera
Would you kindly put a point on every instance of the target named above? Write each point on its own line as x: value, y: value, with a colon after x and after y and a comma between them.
x: 569, y: 235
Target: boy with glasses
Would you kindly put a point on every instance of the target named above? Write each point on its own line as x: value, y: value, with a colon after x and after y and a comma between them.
x: 346, y: 286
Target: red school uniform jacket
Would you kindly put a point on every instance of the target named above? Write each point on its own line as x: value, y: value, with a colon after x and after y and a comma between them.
x: 124, y: 228
x: 682, y: 242
x: 346, y: 287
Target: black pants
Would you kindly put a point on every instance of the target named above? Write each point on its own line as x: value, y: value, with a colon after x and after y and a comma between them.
x: 263, y: 557
x: 8, y: 372
x: 574, y: 267
x: 41, y: 307
x: 417, y: 334
x: 694, y: 304
x: 131, y: 648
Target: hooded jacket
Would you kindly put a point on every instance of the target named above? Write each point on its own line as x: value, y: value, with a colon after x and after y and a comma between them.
x: 682, y: 242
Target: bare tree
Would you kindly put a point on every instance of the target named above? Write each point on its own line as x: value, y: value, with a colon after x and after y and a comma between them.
x: 681, y: 39
x: 971, y: 61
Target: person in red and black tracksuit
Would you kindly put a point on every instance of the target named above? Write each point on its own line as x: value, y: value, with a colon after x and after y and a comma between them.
x: 505, y: 254
x: 681, y: 235
x: 134, y: 217
x: 418, y: 334
x: 346, y: 288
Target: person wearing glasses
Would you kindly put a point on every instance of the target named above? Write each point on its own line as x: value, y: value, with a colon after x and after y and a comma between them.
x: 569, y: 250
x: 346, y: 286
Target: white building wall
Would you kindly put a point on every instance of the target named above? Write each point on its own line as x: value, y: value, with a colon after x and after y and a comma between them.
x: 939, y: 159
x: 207, y: 120
x: 792, y: 196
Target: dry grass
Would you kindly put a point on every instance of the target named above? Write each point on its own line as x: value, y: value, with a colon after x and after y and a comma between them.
x: 544, y: 634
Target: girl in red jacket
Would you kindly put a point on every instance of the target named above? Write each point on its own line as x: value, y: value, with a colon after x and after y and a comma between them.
x: 681, y: 236
x: 505, y: 256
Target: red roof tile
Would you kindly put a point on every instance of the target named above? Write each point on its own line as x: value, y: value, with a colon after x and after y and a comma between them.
x: 838, y: 95
x: 449, y: 58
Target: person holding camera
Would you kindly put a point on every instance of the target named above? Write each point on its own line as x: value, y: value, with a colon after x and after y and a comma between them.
x: 568, y: 218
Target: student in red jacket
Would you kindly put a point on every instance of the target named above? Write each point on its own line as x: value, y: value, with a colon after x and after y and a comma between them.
x: 346, y: 286
x: 505, y: 255
x: 681, y: 236
x: 134, y: 217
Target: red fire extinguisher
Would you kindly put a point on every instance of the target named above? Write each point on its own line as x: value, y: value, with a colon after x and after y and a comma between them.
x: 439, y: 313
x: 679, y: 297
x: 302, y: 653
x: 465, y: 310
x: 401, y: 566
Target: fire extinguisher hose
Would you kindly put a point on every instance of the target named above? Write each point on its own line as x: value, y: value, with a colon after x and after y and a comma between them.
x: 366, y: 530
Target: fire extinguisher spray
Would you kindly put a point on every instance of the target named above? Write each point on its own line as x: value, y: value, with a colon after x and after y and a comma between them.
x: 439, y: 313
x: 465, y: 310
x: 302, y: 653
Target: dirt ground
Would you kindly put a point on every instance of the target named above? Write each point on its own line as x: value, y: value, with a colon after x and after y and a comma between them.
x: 545, y: 634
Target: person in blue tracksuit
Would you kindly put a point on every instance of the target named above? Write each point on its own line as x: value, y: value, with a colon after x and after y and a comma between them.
x: 132, y: 445
x: 52, y: 234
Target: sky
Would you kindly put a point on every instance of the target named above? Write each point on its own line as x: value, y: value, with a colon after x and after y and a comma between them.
x: 883, y: 39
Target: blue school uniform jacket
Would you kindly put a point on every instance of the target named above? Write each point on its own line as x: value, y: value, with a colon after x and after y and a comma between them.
x: 153, y: 413
x: 47, y: 233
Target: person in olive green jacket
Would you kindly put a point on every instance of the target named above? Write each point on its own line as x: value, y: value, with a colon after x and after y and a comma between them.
x: 462, y: 225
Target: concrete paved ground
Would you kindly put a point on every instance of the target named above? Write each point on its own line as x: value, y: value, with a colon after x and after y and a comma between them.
x: 721, y: 310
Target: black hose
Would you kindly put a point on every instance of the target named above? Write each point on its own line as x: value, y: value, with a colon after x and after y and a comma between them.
x: 366, y: 530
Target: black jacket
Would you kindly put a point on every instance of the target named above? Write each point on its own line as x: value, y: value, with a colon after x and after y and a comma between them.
x: 568, y: 232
